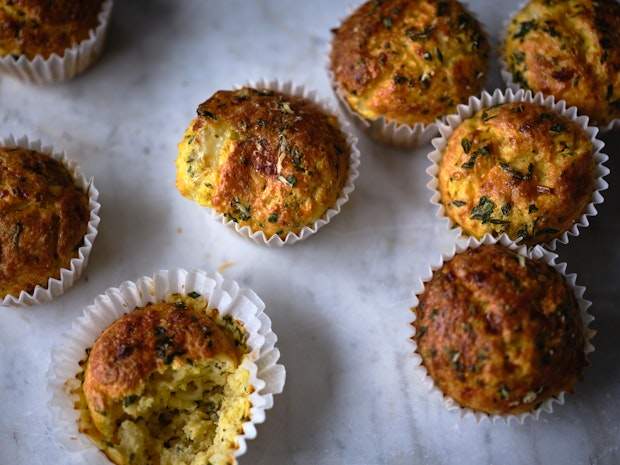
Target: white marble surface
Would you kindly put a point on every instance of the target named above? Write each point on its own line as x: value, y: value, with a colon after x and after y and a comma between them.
x: 339, y: 301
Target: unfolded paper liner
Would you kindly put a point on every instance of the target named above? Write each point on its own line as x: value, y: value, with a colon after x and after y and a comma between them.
x: 500, y: 96
x: 77, y: 265
x: 380, y: 130
x: 266, y: 375
x: 57, y: 68
x: 259, y: 237
x: 537, y: 253
x: 508, y: 78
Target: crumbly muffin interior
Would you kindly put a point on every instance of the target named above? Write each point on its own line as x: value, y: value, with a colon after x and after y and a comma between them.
x: 187, y: 415
x: 165, y: 385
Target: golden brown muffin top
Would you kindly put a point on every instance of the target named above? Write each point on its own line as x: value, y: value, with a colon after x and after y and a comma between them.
x: 43, y: 27
x: 43, y: 219
x: 499, y: 332
x: 149, y: 339
x: 569, y: 49
x: 271, y: 161
x: 519, y: 168
x: 409, y: 61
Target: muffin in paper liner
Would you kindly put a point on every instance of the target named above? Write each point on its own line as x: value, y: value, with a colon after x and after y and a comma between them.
x: 537, y: 254
x: 57, y: 286
x: 58, y: 68
x: 258, y: 236
x: 498, y: 97
x: 392, y: 132
x: 510, y: 82
x: 266, y: 376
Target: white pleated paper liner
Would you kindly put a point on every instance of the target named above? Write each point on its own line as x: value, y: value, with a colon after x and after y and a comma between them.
x: 500, y: 96
x: 57, y: 68
x: 537, y: 253
x: 57, y: 286
x: 266, y: 375
x: 508, y: 78
x: 259, y: 237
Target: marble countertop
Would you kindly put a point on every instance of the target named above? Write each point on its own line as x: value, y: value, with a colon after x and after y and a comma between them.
x: 339, y: 301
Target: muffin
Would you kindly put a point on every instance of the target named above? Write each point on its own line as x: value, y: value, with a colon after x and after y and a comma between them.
x: 500, y: 332
x: 162, y: 385
x: 177, y: 368
x: 44, y: 42
x: 569, y: 49
x: 270, y: 161
x: 407, y: 63
x: 518, y: 167
x: 47, y: 223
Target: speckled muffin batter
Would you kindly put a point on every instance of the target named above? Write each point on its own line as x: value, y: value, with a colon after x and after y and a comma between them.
x: 498, y: 332
x: 408, y: 61
x: 271, y: 161
x: 43, y: 219
x: 164, y: 384
x: 569, y: 49
x: 41, y: 27
x: 517, y: 168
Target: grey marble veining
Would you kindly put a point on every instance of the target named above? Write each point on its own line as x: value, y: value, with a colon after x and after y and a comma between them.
x: 339, y: 301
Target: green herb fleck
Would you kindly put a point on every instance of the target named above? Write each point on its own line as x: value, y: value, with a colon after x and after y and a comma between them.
x: 206, y: 114
x: 524, y: 28
x: 506, y: 209
x: 130, y: 399
x: 466, y: 144
x: 517, y: 174
x: 483, y: 210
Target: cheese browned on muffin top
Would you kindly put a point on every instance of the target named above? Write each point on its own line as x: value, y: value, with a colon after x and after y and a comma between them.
x: 498, y: 332
x: 569, y: 49
x: 43, y: 219
x: 271, y: 161
x: 408, y: 61
x: 41, y: 27
x: 517, y: 168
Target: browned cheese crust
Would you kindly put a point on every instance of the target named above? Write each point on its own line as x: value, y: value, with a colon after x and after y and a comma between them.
x: 42, y: 27
x: 518, y: 168
x: 499, y: 333
x: 271, y: 161
x: 144, y: 341
x: 43, y: 219
x: 569, y: 49
x: 409, y: 61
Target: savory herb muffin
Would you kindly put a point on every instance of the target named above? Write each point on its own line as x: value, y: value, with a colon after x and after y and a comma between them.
x: 33, y: 28
x: 408, y: 61
x: 498, y: 332
x: 44, y: 217
x: 164, y: 384
x: 519, y: 168
x: 569, y: 49
x: 264, y: 159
